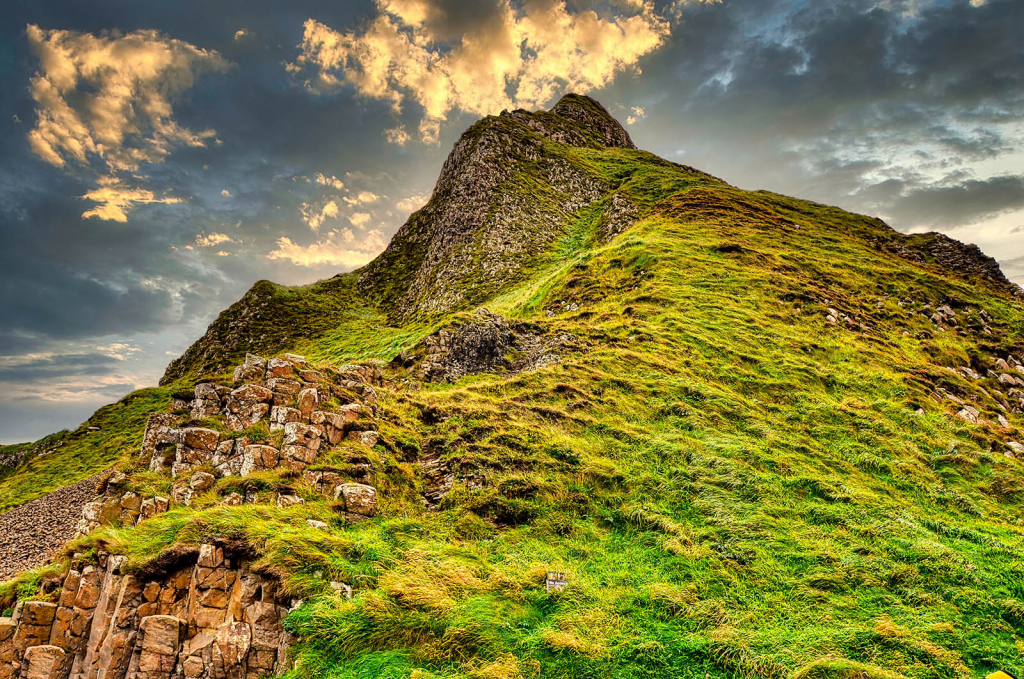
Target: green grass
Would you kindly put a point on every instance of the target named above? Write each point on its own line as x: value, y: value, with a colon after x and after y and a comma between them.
x: 79, y: 454
x: 735, y: 488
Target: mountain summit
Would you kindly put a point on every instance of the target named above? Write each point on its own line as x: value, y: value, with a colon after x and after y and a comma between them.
x: 590, y: 414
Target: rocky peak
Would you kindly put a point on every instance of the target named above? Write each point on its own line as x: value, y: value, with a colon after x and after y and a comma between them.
x: 504, y: 196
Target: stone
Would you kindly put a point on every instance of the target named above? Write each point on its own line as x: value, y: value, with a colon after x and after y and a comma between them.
x: 253, y: 370
x: 160, y: 634
x: 259, y: 457
x: 210, y: 556
x: 357, y: 498
x: 1002, y: 364
x: 1003, y: 422
x: 287, y: 387
x: 307, y: 402
x: 130, y: 500
x: 289, y: 501
x: 298, y: 434
x: 233, y: 500
x: 252, y: 392
x: 312, y: 376
x: 295, y: 358
x: 969, y: 414
x: 282, y: 415
x: 341, y: 588
x: 244, y: 414
x: 43, y: 662
x: 319, y: 525
x: 299, y: 453
x: 1007, y: 379
x: 37, y: 613
x: 1017, y: 448
x: 201, y: 482
x: 182, y: 495
x: 367, y: 438
x: 233, y: 641
x: 278, y: 367
x: 200, y: 438
x: 192, y: 666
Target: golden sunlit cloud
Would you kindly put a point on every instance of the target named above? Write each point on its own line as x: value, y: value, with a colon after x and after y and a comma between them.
x: 522, y: 58
x: 337, y: 249
x: 214, y: 239
x: 114, y: 199
x: 314, y: 216
x: 105, y: 102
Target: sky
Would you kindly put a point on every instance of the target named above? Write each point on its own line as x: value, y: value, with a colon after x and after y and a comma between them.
x: 158, y: 158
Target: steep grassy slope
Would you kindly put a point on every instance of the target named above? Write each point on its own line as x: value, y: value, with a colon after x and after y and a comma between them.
x: 734, y: 485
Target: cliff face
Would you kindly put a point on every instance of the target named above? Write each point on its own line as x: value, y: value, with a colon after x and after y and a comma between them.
x: 206, y: 615
x: 501, y: 200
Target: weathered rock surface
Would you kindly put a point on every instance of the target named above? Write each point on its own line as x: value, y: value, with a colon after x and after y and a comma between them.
x: 477, y: 231
x: 487, y: 343
x: 210, y: 617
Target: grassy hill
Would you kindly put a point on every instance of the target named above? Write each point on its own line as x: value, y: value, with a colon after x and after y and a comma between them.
x: 748, y: 461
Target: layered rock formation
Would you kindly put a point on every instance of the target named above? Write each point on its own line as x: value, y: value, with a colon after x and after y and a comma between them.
x: 208, y: 616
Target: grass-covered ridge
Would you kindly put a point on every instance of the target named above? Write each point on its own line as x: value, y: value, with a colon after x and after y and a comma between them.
x: 734, y: 486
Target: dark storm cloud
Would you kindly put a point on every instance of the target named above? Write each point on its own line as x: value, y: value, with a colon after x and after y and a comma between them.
x: 61, y: 365
x: 955, y: 204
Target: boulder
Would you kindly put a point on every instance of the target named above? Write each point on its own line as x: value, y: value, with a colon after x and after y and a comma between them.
x: 307, y: 402
x: 299, y: 434
x: 367, y: 438
x: 357, y: 498
x: 282, y: 415
x: 279, y: 367
x: 295, y: 359
x: 287, y: 500
x: 43, y: 662
x: 200, y: 438
x: 201, y: 482
x: 253, y: 370
x: 259, y: 458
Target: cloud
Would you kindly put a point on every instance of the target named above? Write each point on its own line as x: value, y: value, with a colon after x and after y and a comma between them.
x: 214, y: 239
x: 331, y: 181
x: 508, y: 58
x: 337, y: 249
x: 225, y: 193
x: 412, y: 203
x: 359, y: 219
x: 952, y: 204
x: 314, y: 216
x: 114, y: 199
x: 397, y: 135
x: 106, y: 103
x: 362, y: 198
x: 241, y: 33
x: 635, y: 113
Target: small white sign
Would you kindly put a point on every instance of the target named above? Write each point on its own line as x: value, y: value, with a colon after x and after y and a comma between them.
x: 556, y: 581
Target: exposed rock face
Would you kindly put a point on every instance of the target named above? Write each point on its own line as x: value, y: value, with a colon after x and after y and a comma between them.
x: 29, y: 534
x: 488, y: 343
x: 210, y: 617
x: 480, y: 228
x: 963, y: 259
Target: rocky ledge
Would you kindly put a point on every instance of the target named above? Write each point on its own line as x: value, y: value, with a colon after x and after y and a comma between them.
x: 208, y: 616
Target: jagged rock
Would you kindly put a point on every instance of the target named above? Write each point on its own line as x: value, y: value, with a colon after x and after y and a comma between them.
x: 258, y: 458
x: 618, y: 215
x: 43, y: 662
x: 287, y: 500
x: 305, y: 435
x: 307, y: 402
x: 295, y: 359
x: 202, y: 482
x: 483, y: 345
x: 279, y: 367
x: 282, y: 415
x: 312, y: 376
x: 357, y: 498
x: 319, y: 525
x: 1017, y: 448
x: 253, y: 370
x: 969, y: 414
x: 233, y: 500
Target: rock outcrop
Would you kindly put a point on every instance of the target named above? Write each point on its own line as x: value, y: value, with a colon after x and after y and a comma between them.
x: 488, y: 343
x: 501, y: 200
x: 208, y: 616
